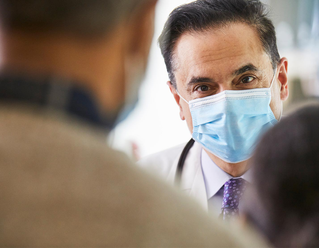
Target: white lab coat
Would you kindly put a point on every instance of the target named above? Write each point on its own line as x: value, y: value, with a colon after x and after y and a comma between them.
x: 164, y: 164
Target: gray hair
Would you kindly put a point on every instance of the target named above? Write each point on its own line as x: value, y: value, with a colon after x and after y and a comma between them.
x: 203, y: 15
x: 80, y: 17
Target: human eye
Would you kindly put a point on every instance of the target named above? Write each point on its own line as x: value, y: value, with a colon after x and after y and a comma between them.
x: 247, y: 79
x: 202, y: 88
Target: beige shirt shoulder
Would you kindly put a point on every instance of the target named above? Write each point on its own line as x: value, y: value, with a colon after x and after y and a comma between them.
x: 62, y: 186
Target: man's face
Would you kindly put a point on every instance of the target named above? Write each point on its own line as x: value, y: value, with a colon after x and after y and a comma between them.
x: 228, y: 58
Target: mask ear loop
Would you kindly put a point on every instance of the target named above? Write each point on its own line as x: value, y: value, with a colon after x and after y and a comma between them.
x: 273, y: 78
x: 182, y: 97
x: 272, y: 82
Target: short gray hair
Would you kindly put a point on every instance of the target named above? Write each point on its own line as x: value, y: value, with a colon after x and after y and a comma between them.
x: 203, y: 15
x: 81, y: 17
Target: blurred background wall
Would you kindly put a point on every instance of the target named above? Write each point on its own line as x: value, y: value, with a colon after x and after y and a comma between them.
x: 155, y: 123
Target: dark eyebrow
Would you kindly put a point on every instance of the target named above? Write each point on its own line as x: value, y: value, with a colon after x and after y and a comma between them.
x: 248, y: 67
x: 195, y: 80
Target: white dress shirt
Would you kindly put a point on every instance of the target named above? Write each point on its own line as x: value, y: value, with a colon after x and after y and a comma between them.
x: 215, y: 178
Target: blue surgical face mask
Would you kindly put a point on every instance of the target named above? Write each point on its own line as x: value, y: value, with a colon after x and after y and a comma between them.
x: 229, y: 123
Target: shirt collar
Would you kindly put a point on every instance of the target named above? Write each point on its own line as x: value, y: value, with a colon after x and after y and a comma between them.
x: 215, y: 177
x: 54, y: 93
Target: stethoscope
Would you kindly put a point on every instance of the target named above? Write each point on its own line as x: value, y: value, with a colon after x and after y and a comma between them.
x: 182, y: 159
x: 181, y: 162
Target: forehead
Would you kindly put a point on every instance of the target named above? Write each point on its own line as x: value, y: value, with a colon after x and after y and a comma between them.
x: 218, y: 51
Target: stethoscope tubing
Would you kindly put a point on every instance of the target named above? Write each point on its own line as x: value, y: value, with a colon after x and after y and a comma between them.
x: 182, y: 159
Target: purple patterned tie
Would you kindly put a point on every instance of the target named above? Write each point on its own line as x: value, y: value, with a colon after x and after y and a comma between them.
x: 233, y: 191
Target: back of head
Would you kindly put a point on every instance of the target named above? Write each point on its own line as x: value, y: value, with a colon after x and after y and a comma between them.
x: 284, y: 202
x: 202, y: 15
x: 81, y: 17
x: 88, y: 43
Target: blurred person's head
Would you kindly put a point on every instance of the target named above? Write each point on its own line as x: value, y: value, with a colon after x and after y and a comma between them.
x: 283, y: 203
x: 210, y: 46
x: 101, y: 44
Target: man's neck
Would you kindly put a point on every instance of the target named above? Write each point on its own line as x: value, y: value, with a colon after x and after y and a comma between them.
x: 96, y: 64
x: 235, y: 170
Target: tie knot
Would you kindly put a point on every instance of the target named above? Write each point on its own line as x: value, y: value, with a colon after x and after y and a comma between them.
x: 233, y: 191
x: 235, y: 184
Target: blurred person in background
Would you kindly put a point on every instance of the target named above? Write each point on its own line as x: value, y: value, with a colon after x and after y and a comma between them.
x: 69, y: 67
x: 284, y: 202
x: 229, y: 82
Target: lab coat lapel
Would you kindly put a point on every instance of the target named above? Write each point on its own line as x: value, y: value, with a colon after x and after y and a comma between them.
x: 192, y: 181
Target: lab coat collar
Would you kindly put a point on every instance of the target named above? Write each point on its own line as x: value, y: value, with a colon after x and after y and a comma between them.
x: 192, y: 180
x: 215, y: 177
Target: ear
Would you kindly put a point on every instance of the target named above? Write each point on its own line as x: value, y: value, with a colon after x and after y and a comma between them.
x: 283, y: 78
x: 140, y: 31
x: 177, y: 99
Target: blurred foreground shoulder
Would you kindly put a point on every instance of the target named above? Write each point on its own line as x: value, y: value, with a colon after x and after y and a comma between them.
x: 63, y: 187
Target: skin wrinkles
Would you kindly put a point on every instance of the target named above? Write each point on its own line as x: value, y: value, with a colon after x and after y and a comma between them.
x: 210, y: 58
x: 246, y: 68
x: 199, y: 68
x: 225, y: 58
